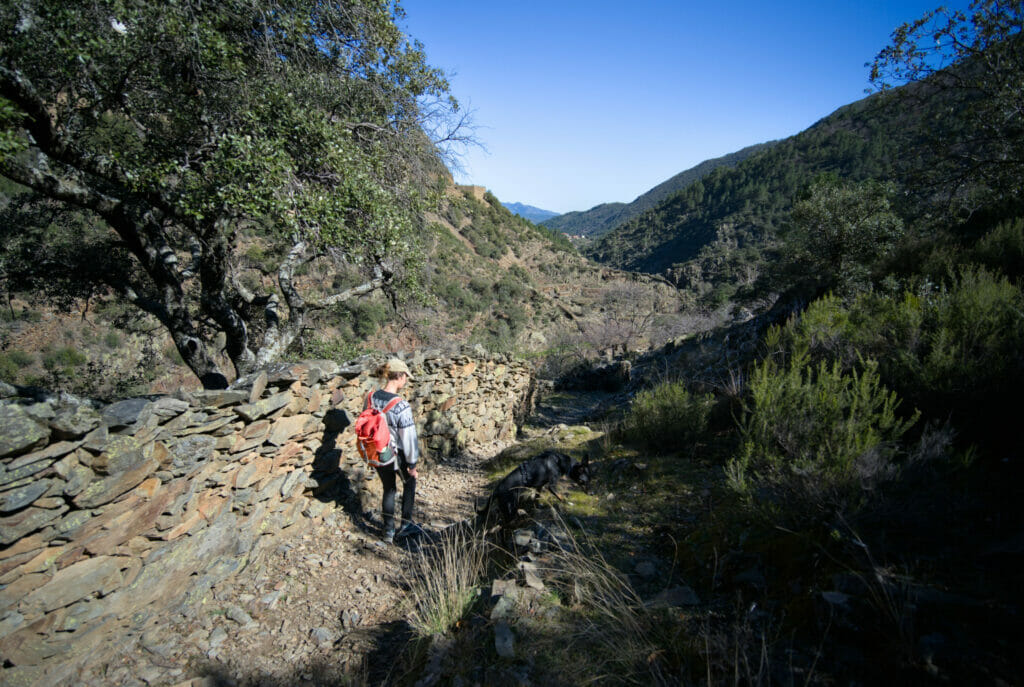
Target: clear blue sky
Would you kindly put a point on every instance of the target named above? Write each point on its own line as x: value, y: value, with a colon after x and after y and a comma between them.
x: 585, y: 102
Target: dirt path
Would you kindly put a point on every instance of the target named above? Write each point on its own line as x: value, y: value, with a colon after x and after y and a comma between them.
x: 323, y: 608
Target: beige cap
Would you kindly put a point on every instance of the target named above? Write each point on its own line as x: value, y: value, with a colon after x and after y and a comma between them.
x: 397, y: 365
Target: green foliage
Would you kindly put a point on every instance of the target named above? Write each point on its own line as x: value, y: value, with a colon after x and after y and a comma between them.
x: 724, y: 227
x: 842, y: 231
x: 63, y: 364
x: 317, y: 348
x: 11, y: 364
x: 952, y: 351
x: 1002, y: 248
x: 667, y: 418
x: 815, y: 438
x: 302, y: 123
x: 973, y: 62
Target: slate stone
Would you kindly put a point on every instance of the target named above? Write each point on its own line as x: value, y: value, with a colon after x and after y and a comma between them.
x: 220, y: 398
x: 259, y: 384
x: 192, y: 450
x: 22, y: 475
x: 284, y: 374
x: 109, y: 488
x: 293, y: 479
x: 239, y: 615
x: 264, y: 407
x: 122, y: 452
x: 16, y: 499
x: 208, y: 427
x: 504, y: 640
x: 100, y: 575
x: 124, y: 413
x: 11, y: 621
x: 168, y: 407
x: 27, y: 521
x: 19, y: 432
x: 74, y: 422
x: 68, y: 526
x: 327, y: 368
x: 289, y: 427
x: 96, y: 439
x: 78, y: 477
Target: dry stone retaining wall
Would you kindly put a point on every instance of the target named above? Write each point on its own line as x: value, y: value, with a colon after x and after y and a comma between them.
x: 111, y: 514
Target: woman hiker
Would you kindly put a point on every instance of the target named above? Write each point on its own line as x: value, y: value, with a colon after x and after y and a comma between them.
x: 404, y: 448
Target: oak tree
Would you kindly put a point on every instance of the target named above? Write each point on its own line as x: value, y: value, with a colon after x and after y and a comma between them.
x: 175, y: 127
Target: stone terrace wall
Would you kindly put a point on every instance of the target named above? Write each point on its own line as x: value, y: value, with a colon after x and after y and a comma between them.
x: 110, y: 515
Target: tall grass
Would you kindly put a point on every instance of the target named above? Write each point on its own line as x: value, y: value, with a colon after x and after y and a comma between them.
x: 611, y: 636
x: 445, y: 580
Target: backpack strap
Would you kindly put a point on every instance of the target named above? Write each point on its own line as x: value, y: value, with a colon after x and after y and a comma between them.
x: 391, y: 404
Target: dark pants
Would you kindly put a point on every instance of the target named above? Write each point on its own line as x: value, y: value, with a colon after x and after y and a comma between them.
x: 387, y: 477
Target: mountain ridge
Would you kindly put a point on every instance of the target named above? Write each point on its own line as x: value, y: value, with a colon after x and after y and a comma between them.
x: 605, y: 217
x: 530, y: 212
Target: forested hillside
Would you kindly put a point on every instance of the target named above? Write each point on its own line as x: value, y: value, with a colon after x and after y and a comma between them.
x: 719, y: 238
x: 711, y: 236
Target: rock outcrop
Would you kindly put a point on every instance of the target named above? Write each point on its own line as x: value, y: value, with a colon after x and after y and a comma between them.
x: 111, y: 515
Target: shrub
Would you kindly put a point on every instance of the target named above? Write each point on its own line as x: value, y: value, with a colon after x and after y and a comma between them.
x: 952, y: 351
x: 815, y: 438
x: 1003, y: 248
x: 65, y: 358
x: 8, y: 370
x: 667, y: 417
x: 325, y: 349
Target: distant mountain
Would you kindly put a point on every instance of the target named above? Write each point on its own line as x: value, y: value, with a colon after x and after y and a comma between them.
x: 535, y: 215
x: 710, y: 237
x: 602, y: 218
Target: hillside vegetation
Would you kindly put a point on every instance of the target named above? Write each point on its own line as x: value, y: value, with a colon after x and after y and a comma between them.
x: 489, y: 277
x: 715, y: 236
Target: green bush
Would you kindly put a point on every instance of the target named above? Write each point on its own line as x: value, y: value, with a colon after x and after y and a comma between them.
x: 1003, y: 248
x: 8, y: 369
x: 64, y: 358
x: 667, y: 418
x: 951, y: 351
x: 20, y: 358
x: 815, y: 438
x: 325, y: 349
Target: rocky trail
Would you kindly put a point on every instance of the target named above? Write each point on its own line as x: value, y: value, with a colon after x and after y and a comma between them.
x: 325, y: 607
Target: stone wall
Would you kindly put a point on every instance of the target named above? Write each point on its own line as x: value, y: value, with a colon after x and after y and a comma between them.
x: 112, y: 514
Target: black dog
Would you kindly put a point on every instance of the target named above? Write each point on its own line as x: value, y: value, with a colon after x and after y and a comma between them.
x: 543, y: 470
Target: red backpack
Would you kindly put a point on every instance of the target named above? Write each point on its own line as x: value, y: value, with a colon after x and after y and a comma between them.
x: 373, y: 439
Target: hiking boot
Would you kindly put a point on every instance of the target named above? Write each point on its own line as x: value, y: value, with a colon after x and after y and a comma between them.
x: 389, y: 535
x: 408, y: 529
